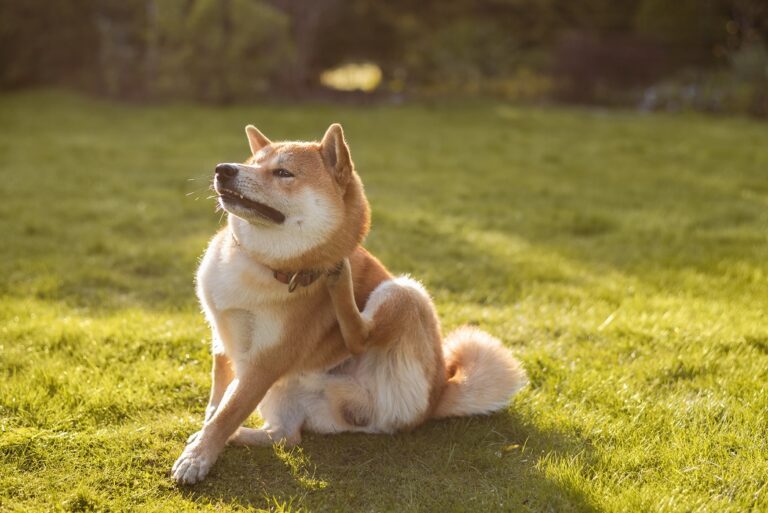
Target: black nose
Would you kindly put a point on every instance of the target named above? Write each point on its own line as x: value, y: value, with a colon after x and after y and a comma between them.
x: 226, y: 171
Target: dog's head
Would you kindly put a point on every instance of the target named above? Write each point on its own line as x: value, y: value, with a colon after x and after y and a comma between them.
x: 295, y: 204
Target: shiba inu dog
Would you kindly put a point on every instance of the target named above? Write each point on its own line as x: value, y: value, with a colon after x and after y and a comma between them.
x: 311, y: 328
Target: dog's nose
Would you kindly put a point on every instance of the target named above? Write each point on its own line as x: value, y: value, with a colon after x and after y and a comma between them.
x: 226, y: 171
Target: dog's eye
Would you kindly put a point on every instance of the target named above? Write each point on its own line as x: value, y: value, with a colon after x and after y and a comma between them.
x: 282, y: 173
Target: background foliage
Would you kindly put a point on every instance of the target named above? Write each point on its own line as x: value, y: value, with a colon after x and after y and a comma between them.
x: 704, y: 54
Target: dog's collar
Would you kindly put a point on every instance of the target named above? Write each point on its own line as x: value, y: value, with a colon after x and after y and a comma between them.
x: 304, y: 278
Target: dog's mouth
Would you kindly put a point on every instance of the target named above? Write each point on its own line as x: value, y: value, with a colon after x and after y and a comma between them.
x: 229, y: 197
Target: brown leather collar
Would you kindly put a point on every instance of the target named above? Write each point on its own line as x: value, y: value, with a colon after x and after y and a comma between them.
x: 304, y: 278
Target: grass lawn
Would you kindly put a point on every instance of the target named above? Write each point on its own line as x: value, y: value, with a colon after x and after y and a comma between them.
x: 623, y: 257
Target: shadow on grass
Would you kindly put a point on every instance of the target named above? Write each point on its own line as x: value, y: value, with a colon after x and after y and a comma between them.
x: 465, y: 464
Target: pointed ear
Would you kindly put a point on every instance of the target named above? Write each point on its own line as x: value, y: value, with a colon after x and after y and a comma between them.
x: 335, y: 153
x: 256, y: 140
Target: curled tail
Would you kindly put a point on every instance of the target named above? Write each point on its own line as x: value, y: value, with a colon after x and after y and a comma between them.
x: 482, y: 374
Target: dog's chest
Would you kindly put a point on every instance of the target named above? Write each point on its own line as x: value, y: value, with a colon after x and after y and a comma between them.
x: 245, y: 334
x: 237, y: 284
x: 245, y: 304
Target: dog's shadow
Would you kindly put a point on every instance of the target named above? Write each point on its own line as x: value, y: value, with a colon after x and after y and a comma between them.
x: 466, y: 464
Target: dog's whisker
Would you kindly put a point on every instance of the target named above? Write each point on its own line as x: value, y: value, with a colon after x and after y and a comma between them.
x: 197, y: 192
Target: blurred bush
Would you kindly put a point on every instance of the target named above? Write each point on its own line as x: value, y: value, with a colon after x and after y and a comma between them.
x: 586, y: 51
x: 459, y: 55
x: 207, y: 50
x: 524, y: 85
x: 750, y: 63
x: 741, y: 88
x: 46, y: 42
x: 595, y: 68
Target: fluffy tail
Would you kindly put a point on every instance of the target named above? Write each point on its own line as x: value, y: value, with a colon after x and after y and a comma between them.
x: 482, y: 374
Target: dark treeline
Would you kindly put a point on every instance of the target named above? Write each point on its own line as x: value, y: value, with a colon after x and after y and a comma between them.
x: 704, y: 53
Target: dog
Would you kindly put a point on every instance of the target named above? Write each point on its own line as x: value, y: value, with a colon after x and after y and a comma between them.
x: 313, y: 330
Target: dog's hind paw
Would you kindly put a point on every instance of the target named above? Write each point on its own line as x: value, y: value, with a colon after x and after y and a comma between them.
x: 191, y: 467
x: 334, y: 274
x: 263, y: 437
x: 355, y: 415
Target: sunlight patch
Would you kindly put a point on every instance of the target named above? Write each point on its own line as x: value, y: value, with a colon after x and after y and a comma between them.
x: 302, y: 469
x: 365, y: 76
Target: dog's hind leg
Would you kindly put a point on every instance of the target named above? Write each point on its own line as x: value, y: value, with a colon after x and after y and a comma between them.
x: 264, y: 437
x: 323, y: 402
x: 283, y: 413
x: 354, y: 328
x: 338, y: 403
x: 349, y: 401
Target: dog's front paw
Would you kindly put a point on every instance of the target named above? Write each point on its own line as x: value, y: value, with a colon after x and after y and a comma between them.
x: 192, y: 466
x: 194, y: 436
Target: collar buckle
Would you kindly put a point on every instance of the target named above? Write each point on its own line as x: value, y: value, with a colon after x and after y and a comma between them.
x: 294, y: 282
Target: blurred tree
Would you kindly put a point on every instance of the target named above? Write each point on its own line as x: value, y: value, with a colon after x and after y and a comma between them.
x: 120, y: 25
x: 226, y: 50
x: 421, y: 43
x: 48, y: 42
x: 688, y: 29
x: 217, y: 50
x: 301, y: 73
x: 599, y: 17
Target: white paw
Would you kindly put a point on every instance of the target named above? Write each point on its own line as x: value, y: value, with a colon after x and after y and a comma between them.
x: 194, y: 436
x: 191, y: 467
x: 264, y: 437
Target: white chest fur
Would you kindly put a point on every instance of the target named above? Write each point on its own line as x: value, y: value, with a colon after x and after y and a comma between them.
x: 242, y: 301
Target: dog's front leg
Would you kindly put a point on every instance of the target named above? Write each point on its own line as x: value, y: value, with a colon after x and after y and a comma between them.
x: 239, y: 401
x: 354, y: 328
x: 222, y: 375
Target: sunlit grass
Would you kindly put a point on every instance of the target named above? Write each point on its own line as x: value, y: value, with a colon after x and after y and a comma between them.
x: 621, y: 256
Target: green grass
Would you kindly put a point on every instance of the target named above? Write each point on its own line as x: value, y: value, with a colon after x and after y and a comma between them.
x: 623, y: 257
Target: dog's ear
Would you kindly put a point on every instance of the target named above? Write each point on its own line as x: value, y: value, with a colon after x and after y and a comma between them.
x: 256, y: 140
x: 335, y: 153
